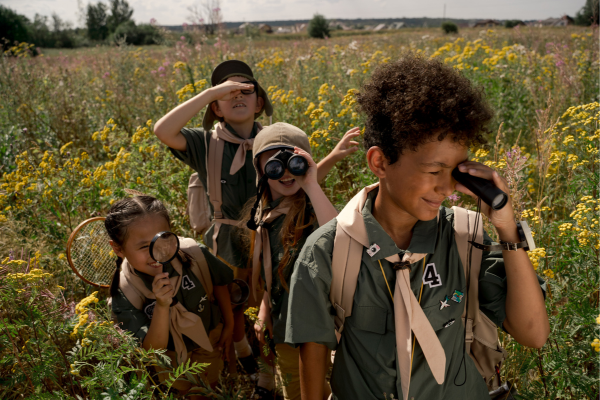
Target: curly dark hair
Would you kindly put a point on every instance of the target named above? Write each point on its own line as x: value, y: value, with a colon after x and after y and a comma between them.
x: 411, y: 101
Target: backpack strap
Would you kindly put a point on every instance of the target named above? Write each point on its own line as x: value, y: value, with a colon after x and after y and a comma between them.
x: 464, y: 226
x: 345, y: 266
x: 198, y: 264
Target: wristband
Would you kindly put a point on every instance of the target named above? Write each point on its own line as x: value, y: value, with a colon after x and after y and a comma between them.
x: 526, y: 242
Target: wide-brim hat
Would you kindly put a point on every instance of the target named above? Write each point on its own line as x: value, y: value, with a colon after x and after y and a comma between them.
x: 226, y: 70
x: 278, y: 136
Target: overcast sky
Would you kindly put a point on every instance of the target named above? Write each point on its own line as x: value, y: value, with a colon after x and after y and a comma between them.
x: 175, y: 12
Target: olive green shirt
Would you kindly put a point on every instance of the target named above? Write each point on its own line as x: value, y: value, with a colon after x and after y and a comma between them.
x: 191, y: 295
x: 279, y: 294
x: 366, y: 359
x: 236, y: 189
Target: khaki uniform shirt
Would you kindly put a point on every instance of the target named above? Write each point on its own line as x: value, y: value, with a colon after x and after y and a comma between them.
x: 365, y: 362
x: 279, y: 295
x: 236, y: 189
x: 191, y: 294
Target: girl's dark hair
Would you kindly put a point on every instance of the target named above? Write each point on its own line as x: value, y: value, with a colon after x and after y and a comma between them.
x: 122, y: 214
x: 415, y: 100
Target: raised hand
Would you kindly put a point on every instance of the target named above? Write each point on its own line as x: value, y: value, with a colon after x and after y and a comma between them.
x: 163, y: 290
x: 229, y: 90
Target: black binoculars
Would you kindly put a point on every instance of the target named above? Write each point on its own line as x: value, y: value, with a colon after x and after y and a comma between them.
x: 276, y: 165
x: 482, y: 188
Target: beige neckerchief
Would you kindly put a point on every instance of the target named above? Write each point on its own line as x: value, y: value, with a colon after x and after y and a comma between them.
x: 408, y: 314
x: 262, y: 247
x: 182, y: 322
x: 239, y: 160
x: 214, y: 161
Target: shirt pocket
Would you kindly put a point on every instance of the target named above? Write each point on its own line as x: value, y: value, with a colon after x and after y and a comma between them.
x: 446, y: 317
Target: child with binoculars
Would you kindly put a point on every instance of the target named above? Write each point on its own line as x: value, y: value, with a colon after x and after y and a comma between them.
x: 405, y: 283
x: 289, y: 206
x: 222, y: 158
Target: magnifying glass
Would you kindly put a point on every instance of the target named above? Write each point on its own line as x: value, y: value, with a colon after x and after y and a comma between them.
x: 164, y: 247
x: 239, y: 292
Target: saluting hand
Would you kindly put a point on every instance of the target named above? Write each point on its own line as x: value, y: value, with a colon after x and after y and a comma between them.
x: 229, y: 90
x: 162, y: 289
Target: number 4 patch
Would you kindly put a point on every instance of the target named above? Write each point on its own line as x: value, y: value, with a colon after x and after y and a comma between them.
x: 431, y: 277
x: 187, y: 283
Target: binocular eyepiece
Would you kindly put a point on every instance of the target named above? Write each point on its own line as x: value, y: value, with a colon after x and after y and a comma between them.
x: 285, y: 159
x: 482, y: 188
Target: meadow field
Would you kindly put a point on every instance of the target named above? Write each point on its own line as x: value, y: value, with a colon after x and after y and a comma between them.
x: 76, y: 130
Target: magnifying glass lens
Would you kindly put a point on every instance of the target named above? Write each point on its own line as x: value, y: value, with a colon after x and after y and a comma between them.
x: 165, y: 247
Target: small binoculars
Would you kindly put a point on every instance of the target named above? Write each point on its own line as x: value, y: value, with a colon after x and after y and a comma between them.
x: 482, y: 188
x: 285, y: 159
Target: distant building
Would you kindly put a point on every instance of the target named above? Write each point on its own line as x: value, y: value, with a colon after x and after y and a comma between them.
x: 487, y: 23
x: 565, y: 20
x: 243, y: 27
x: 397, y: 25
x: 379, y: 27
x: 265, y: 28
x: 284, y: 29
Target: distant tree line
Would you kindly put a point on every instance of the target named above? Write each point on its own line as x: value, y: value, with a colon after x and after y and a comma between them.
x: 103, y: 24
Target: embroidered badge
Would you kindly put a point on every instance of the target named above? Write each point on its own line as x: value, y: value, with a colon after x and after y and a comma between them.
x: 431, y: 277
x: 444, y: 303
x: 149, y: 309
x: 457, y: 296
x: 449, y: 323
x: 374, y: 249
x: 187, y: 283
x: 200, y: 305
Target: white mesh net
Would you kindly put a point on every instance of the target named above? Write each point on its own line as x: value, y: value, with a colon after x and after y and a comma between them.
x: 92, y: 255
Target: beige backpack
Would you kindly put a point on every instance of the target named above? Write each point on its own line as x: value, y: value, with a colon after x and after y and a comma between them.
x: 481, y: 338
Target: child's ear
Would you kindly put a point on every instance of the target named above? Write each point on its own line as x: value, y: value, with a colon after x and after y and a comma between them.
x: 215, y: 108
x: 260, y: 103
x: 377, y: 161
x: 116, y: 249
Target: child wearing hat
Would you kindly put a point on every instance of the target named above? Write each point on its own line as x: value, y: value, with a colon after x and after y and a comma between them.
x: 405, y: 338
x: 222, y: 158
x: 289, y: 206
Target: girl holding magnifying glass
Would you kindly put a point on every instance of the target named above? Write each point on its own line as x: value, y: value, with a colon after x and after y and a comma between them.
x: 289, y: 206
x: 166, y: 304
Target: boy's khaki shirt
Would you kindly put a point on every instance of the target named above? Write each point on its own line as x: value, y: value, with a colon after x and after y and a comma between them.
x: 236, y: 189
x: 365, y: 362
x: 191, y: 294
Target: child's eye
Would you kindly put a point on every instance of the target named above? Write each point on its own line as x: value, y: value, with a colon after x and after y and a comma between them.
x: 144, y: 247
x: 435, y: 172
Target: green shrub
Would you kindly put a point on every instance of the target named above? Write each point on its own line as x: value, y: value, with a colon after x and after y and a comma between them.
x: 449, y: 27
x: 511, y: 23
x: 136, y: 35
x: 318, y: 27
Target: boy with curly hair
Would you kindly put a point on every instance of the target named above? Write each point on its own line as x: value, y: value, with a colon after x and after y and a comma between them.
x: 422, y: 118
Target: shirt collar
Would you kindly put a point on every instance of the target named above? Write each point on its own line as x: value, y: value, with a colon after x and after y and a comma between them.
x: 423, y: 240
x: 252, y: 134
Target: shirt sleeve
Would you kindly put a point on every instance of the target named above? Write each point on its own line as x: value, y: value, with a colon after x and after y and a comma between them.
x: 310, y: 313
x: 195, y: 153
x: 130, y: 318
x: 220, y: 273
x: 492, y: 285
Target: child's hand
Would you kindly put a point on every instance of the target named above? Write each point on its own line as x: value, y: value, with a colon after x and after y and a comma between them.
x: 310, y: 178
x: 501, y: 219
x: 228, y: 90
x: 346, y: 146
x: 162, y: 289
x: 225, y: 340
x: 260, y: 332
